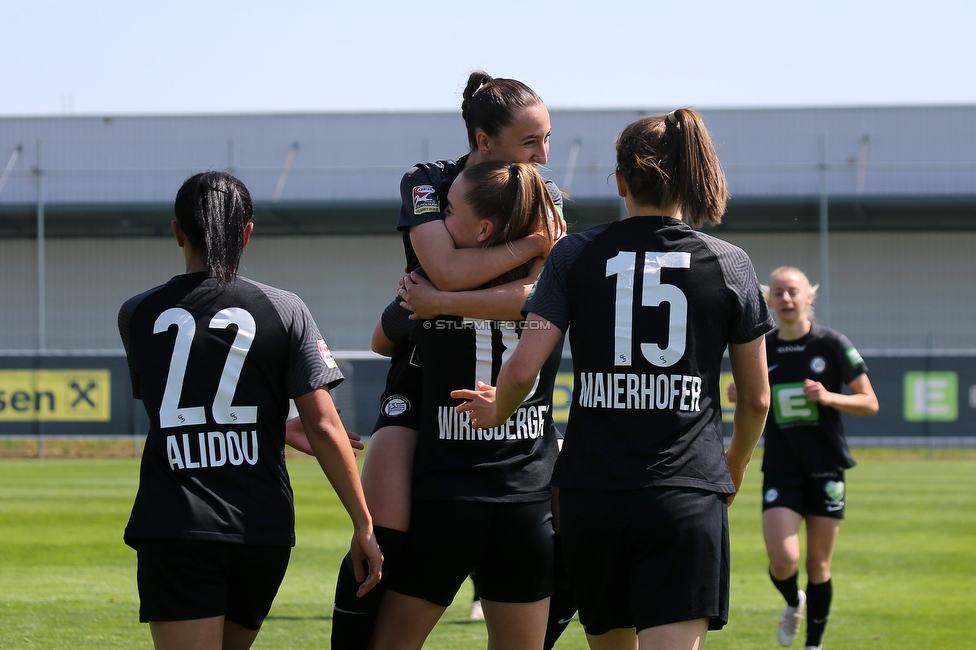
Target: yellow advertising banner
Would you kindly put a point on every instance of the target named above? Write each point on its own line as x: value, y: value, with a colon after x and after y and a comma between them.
x: 77, y: 395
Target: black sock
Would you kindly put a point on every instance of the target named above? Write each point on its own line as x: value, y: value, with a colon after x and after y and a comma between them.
x: 818, y: 610
x: 788, y: 588
x: 562, y: 606
x: 353, y: 618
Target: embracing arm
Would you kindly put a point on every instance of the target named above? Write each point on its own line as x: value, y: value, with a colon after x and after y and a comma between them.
x: 331, y: 447
x: 863, y: 401
x: 502, y: 302
x: 751, y: 404
x: 456, y: 269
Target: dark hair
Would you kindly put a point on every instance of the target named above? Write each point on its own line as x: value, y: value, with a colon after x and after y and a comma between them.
x: 213, y: 209
x: 515, y: 197
x: 490, y: 105
x: 670, y: 158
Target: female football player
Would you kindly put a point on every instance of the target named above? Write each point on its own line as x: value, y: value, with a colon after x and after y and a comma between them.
x: 215, y: 357
x: 481, y: 499
x: 651, y: 305
x: 806, y: 452
x: 506, y: 121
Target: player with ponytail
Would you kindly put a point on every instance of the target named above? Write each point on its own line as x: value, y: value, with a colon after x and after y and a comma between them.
x: 507, y: 122
x: 215, y: 357
x: 651, y: 305
x: 481, y: 501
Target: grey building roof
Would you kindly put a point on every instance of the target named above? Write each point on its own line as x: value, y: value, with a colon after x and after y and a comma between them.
x: 882, y: 166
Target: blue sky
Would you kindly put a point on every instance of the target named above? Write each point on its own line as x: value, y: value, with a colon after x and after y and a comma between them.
x: 183, y: 57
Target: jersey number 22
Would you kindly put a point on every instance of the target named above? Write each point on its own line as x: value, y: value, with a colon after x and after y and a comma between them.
x: 170, y: 413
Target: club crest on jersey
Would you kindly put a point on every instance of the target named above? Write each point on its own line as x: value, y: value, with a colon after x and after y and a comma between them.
x: 818, y: 364
x: 395, y: 405
x: 425, y: 199
x: 327, y: 355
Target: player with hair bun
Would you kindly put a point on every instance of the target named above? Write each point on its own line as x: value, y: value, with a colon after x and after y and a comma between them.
x: 506, y: 121
x: 215, y: 357
x: 481, y: 500
x: 805, y: 453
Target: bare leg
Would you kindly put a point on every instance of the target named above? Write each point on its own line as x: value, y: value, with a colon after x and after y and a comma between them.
x: 616, y: 639
x: 516, y: 626
x: 199, y: 634
x: 821, y: 536
x: 237, y: 637
x: 404, y: 622
x: 387, y: 476
x: 781, y: 527
x: 686, y: 635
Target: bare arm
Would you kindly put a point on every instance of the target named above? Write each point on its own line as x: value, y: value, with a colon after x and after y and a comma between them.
x: 456, y: 269
x: 503, y: 302
x: 380, y: 343
x: 491, y: 407
x: 862, y: 402
x: 331, y: 447
x: 751, y: 405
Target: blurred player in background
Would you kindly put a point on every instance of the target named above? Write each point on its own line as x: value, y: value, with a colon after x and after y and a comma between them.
x: 644, y: 481
x: 805, y: 451
x: 215, y: 357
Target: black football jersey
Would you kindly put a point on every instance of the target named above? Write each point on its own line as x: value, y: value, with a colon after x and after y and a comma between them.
x: 802, y: 436
x: 423, y: 196
x: 215, y: 366
x: 650, y: 305
x: 453, y: 460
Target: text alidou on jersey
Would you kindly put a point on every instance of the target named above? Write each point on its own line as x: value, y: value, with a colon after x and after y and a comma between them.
x: 212, y: 449
x: 637, y: 391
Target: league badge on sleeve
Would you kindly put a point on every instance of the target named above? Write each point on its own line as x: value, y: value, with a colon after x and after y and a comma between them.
x: 327, y: 355
x: 425, y: 199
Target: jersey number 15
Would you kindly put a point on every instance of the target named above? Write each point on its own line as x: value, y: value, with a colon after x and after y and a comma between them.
x: 654, y: 292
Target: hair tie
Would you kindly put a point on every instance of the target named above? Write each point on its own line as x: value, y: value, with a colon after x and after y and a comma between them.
x: 673, y: 118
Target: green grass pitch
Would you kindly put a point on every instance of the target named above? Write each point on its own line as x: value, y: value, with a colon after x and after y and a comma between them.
x: 904, y: 568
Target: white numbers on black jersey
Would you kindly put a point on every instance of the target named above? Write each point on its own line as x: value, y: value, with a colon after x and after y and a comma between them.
x: 170, y: 412
x: 484, y: 350
x: 653, y: 294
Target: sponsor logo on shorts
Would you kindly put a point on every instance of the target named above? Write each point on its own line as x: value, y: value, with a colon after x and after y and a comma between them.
x: 395, y: 405
x: 425, y: 199
x: 327, y: 355
x: 835, y: 490
x: 818, y: 364
x: 771, y: 495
